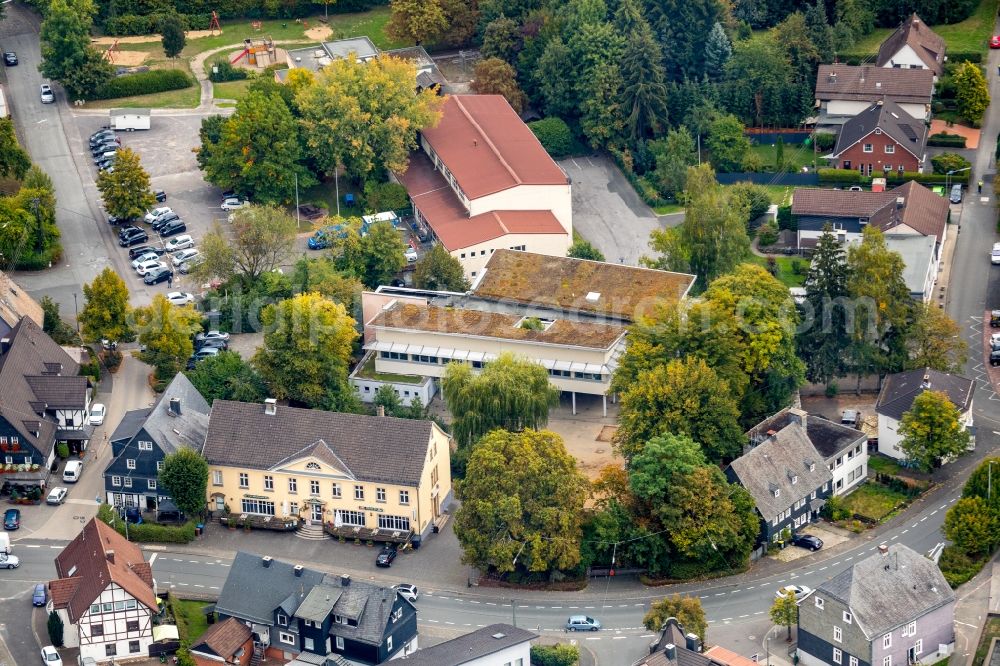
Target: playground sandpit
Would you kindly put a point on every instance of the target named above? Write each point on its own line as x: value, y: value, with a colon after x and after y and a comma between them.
x: 129, y: 58
x: 279, y: 57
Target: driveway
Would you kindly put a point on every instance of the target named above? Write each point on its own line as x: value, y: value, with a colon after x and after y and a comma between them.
x: 607, y: 211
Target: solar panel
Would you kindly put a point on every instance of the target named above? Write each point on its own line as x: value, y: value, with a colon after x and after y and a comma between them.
x: 908, y: 131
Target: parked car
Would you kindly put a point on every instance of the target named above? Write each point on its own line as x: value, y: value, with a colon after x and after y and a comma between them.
x: 12, y: 519
x: 39, y: 597
x: 232, y: 203
x: 799, y: 591
x: 995, y: 42
x: 221, y: 345
x: 105, y: 156
x: 148, y: 265
x: 162, y: 220
x: 102, y: 134
x: 160, y: 196
x: 9, y: 58
x: 386, y: 556
x: 956, y: 193
x: 106, y: 165
x: 156, y: 212
x: 158, y: 275
x: 171, y: 228
x: 9, y: 561
x: 182, y: 242
x: 201, y: 355
x: 211, y: 335
x: 407, y: 591
x: 115, y: 221
x: 994, y: 318
x: 995, y: 254
x: 97, y: 414
x: 410, y: 254
x: 137, y: 252
x: 185, y: 255
x: 45, y: 92
x: 133, y: 238
x: 133, y: 515
x: 103, y: 147
x: 143, y: 258
x: 180, y: 297
x: 582, y: 623
x: 56, y: 496
x: 807, y: 541
x: 128, y: 230
x: 50, y: 656
x: 995, y: 357
x: 187, y: 266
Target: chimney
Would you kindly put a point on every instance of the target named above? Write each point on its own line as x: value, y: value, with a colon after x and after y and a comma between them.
x: 878, y: 84
x: 380, y: 410
x: 671, y: 651
x: 832, y: 78
x: 693, y: 643
x: 266, y: 561
x: 883, y: 549
x: 345, y: 580
x: 175, y: 407
x: 270, y: 406
x: 475, y: 143
x: 4, y: 345
x: 110, y: 554
x: 797, y: 415
x: 298, y: 570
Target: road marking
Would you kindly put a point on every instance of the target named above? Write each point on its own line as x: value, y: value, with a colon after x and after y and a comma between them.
x: 848, y: 559
x: 704, y: 597
x: 152, y: 559
x: 55, y: 547
x: 905, y: 531
x: 182, y: 583
x: 622, y: 605
x: 895, y: 536
x: 745, y: 615
x: 967, y: 624
x: 735, y: 591
x: 618, y: 638
x: 805, y: 574
x: 473, y: 601
x: 934, y: 511
x: 197, y: 585
x: 720, y: 594
x: 176, y: 560
x: 592, y: 639
x: 923, y: 519
x: 589, y: 607
x: 750, y: 587
x: 488, y: 603
x: 823, y: 568
x: 942, y: 507
x: 759, y: 613
x: 31, y: 546
x: 557, y: 608
x: 447, y: 622
x: 193, y: 562
x: 213, y: 587
x: 914, y: 525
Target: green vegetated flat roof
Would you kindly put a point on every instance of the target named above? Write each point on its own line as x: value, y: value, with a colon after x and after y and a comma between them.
x: 368, y: 371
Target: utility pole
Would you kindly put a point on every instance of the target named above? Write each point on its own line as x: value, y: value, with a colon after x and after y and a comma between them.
x: 76, y: 311
x: 297, y: 201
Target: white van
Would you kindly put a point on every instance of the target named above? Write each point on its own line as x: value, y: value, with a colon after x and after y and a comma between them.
x: 4, y: 543
x: 72, y: 472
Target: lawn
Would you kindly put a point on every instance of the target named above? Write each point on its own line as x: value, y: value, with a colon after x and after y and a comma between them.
x: 796, y: 156
x: 324, y: 195
x: 786, y: 272
x: 668, y: 209
x: 873, y: 500
x: 990, y: 631
x: 192, y: 616
x: 187, y: 98
x: 368, y: 372
x: 884, y: 465
x: 972, y: 34
x: 231, y: 89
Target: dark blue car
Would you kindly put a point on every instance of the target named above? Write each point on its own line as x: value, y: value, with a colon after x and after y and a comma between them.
x: 12, y: 519
x: 39, y: 597
x: 133, y: 515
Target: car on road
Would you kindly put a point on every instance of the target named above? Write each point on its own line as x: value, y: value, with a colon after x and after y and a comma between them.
x: 133, y: 237
x: 182, y: 242
x: 995, y: 254
x: 12, y: 519
x: 160, y: 196
x: 582, y: 623
x: 407, y: 591
x: 143, y: 258
x: 211, y: 335
x: 386, y: 556
x: 158, y: 275
x: 56, y: 496
x: 156, y: 212
x: 995, y: 357
x: 97, y: 413
x: 50, y: 656
x: 136, y: 252
x: 180, y: 297
x: 201, y: 355
x: 410, y: 254
x: 45, y: 92
x: 232, y: 203
x: 149, y: 265
x: 9, y: 561
x: 185, y: 255
x: 39, y: 596
x: 807, y: 541
x: 956, y: 193
x: 172, y: 227
x: 9, y: 58
x: 800, y: 591
x: 995, y: 42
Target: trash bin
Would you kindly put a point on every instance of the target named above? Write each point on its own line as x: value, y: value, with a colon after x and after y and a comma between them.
x: 198, y: 529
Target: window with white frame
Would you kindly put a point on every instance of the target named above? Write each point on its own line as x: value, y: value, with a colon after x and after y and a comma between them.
x: 282, y: 620
x: 308, y: 644
x: 286, y: 637
x: 340, y: 642
x: 216, y: 477
x: 293, y: 485
x: 336, y: 490
x: 268, y: 482
x: 159, y: 465
x: 359, y: 492
x: 838, y: 634
x: 852, y: 661
x: 890, y: 148
x: 838, y: 656
x: 404, y: 496
x: 380, y: 494
x: 128, y: 481
x: 353, y: 518
x: 388, y: 643
x: 887, y: 660
x: 151, y: 484
x: 314, y: 487
x: 887, y: 641
x: 847, y: 617
x: 145, y: 446
x: 910, y: 629
x: 819, y: 603
x: 918, y: 647
x: 244, y: 480
x: 116, y: 480
x: 868, y: 148
x: 130, y: 463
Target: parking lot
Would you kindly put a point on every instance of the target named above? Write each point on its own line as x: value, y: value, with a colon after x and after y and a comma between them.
x: 167, y: 153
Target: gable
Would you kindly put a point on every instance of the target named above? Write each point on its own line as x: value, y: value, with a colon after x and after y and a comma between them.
x: 313, y: 465
x: 877, y: 132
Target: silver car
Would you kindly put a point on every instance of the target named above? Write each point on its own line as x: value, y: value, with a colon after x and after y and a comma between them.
x: 45, y: 91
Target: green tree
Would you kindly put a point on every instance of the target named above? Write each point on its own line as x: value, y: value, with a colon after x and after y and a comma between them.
x: 686, y: 610
x: 172, y: 34
x: 712, y: 239
x: 560, y: 654
x: 583, y: 249
x: 55, y: 627
x: 416, y: 21
x: 259, y: 151
x: 758, y: 77
x: 823, y: 338
x: 462, y: 17
x: 602, y: 114
x: 643, y: 84
x: 381, y: 254
x: 681, y: 27
x: 322, y: 276
x: 385, y: 196
x: 726, y: 143
x: 972, y: 525
x: 522, y: 502
x: 932, y: 430
x: 819, y: 31
x: 674, y: 154
x: 438, y: 270
x: 261, y: 239
x: 972, y: 94
x: 685, y: 397
x: 935, y: 341
x: 364, y: 116
x: 185, y: 476
x: 65, y: 36
x: 718, y: 50
x: 984, y: 482
x: 14, y: 161
x: 106, y: 313
x: 493, y: 76
x: 307, y: 350
x: 54, y: 325
x: 952, y: 162
x: 210, y: 134
x: 166, y: 332
x: 125, y: 190
x: 227, y: 376
x: 558, y: 91
x: 86, y: 78
x: 785, y: 612
x: 554, y: 135
x: 509, y: 393
x: 501, y: 39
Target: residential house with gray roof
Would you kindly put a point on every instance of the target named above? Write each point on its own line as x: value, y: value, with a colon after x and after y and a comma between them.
x: 881, y: 139
x: 144, y: 437
x: 675, y: 647
x: 901, y: 389
x: 843, y: 91
x: 786, y: 476
x: 492, y: 645
x: 913, y: 46
x: 296, y: 613
x: 892, y: 609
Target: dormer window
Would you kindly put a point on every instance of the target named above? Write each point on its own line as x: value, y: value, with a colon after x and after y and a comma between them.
x: 775, y: 490
x: 282, y: 620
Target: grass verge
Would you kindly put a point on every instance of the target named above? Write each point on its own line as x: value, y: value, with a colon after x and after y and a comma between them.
x: 231, y: 89
x: 668, y: 209
x: 991, y: 631
x: 186, y: 98
x: 884, y: 465
x: 190, y: 612
x: 873, y: 501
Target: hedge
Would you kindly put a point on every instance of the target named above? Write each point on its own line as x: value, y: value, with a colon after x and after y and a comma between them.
x: 145, y: 83
x: 554, y: 135
x: 130, y: 14
x: 148, y: 532
x: 955, y: 57
x: 852, y: 177
x: 226, y: 72
x: 945, y: 140
x: 135, y: 24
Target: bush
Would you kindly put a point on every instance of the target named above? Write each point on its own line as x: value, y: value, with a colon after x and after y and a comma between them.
x: 62, y: 450
x: 688, y: 569
x: 945, y: 140
x: 145, y: 83
x: 554, y: 655
x: 757, y: 197
x: 55, y: 627
x: 134, y: 24
x: 946, y: 162
x: 226, y: 72
x: 956, y: 57
x: 957, y: 566
x: 825, y: 140
x: 385, y: 196
x: 785, y: 219
x: 554, y: 134
x: 148, y: 532
x: 834, y: 508
x: 767, y: 235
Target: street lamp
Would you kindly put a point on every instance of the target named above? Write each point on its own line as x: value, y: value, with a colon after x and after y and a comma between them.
x: 947, y: 177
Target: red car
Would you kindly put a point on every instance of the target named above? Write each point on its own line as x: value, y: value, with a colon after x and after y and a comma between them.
x: 995, y: 42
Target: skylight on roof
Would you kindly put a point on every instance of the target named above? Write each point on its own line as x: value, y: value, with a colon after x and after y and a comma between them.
x: 593, y: 296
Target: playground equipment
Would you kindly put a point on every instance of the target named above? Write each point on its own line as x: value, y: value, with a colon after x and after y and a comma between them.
x: 109, y: 55
x: 214, y: 24
x: 259, y: 52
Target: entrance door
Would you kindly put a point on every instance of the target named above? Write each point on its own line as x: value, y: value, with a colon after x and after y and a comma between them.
x: 317, y: 513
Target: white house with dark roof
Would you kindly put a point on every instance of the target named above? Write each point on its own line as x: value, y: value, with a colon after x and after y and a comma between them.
x: 676, y: 647
x: 300, y: 615
x: 492, y: 645
x: 913, y: 46
x: 786, y: 475
x: 901, y: 389
x: 843, y: 91
x: 893, y: 608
